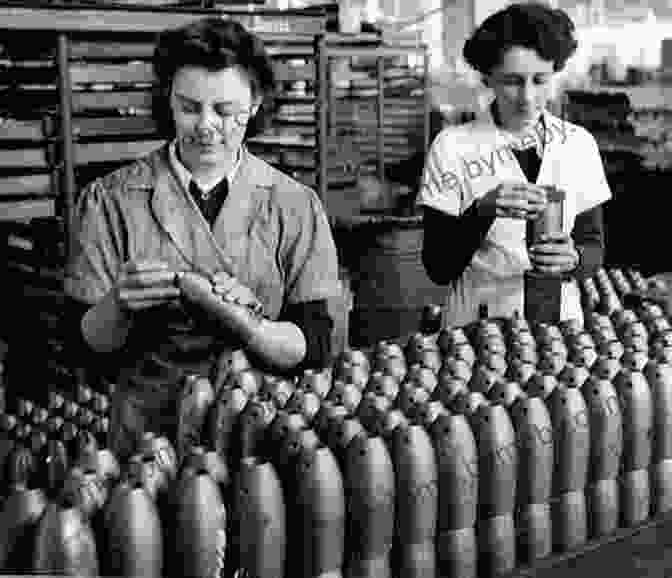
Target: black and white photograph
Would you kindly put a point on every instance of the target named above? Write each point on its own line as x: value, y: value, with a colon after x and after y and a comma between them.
x: 335, y: 288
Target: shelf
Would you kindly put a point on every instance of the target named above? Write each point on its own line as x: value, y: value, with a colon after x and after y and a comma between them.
x: 108, y: 50
x: 112, y: 152
x: 113, y: 126
x: 28, y: 209
x: 285, y: 72
x: 128, y: 18
x: 297, y: 120
x: 372, y: 52
x: 400, y: 106
x: 369, y: 127
x: 16, y: 73
x: 33, y: 158
x: 295, y: 98
x: 91, y: 20
x: 347, y: 41
x: 296, y: 108
x: 128, y: 73
x: 111, y: 100
x: 289, y: 51
x: 33, y: 185
x: 22, y: 130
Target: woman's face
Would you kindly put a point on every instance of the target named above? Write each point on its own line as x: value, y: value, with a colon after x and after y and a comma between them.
x: 211, y: 110
x: 522, y: 87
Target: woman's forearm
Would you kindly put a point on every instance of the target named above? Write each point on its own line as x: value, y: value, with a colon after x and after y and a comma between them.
x: 317, y: 325
x: 105, y: 326
x: 450, y: 242
x: 588, y: 238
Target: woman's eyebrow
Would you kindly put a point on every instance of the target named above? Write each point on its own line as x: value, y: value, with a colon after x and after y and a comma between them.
x: 191, y: 100
x: 182, y: 97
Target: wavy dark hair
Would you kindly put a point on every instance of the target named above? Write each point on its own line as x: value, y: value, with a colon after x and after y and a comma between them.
x: 532, y: 25
x: 215, y: 44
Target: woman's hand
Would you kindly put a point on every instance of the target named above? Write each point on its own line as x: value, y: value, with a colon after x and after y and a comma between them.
x: 139, y: 285
x: 233, y: 291
x: 199, y: 291
x: 144, y: 284
x: 554, y: 254
x: 513, y: 200
x: 221, y: 297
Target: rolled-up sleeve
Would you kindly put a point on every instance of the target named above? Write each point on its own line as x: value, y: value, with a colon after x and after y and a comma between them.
x: 311, y: 261
x: 96, y: 246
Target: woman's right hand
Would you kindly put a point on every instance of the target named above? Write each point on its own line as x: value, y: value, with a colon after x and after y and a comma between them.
x: 513, y: 200
x: 144, y: 284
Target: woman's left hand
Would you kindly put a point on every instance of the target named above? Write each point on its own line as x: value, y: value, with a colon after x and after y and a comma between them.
x: 554, y: 254
x: 223, y: 287
x: 199, y: 291
x: 231, y: 289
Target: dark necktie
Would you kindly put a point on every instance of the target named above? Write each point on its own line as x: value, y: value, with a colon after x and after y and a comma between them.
x: 528, y: 158
x: 529, y: 162
x: 211, y: 203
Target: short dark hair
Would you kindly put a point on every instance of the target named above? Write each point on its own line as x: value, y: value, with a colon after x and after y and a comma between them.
x: 215, y: 44
x: 533, y: 25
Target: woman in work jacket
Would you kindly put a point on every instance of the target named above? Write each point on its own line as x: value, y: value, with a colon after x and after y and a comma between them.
x: 201, y: 204
x: 484, y: 179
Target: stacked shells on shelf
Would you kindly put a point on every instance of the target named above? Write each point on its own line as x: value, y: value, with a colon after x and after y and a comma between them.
x: 32, y: 248
x: 653, y: 126
x: 377, y: 115
x: 623, y: 126
x: 350, y: 97
x: 28, y: 167
x: 289, y: 142
x: 460, y: 451
x: 110, y: 101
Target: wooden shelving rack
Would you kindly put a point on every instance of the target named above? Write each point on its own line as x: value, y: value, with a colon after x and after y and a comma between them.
x: 373, y: 110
